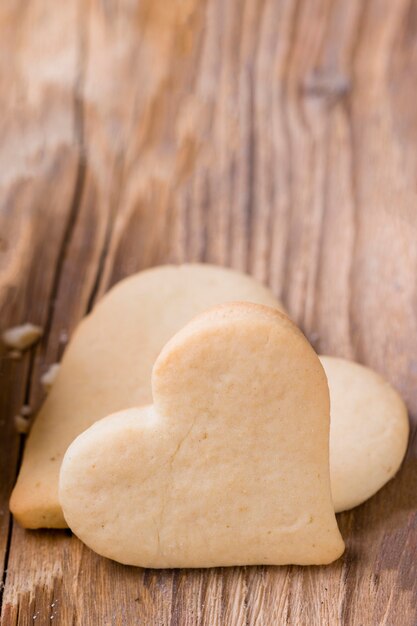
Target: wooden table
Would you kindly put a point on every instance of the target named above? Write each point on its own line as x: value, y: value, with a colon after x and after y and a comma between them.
x: 274, y: 136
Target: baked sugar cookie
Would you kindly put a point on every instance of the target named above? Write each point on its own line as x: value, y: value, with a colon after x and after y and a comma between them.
x: 368, y: 433
x: 229, y: 466
x: 107, y: 366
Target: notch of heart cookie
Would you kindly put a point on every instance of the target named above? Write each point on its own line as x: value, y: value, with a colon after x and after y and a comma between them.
x: 230, y: 466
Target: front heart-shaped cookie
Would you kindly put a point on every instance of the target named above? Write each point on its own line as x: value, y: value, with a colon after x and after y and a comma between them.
x: 229, y: 466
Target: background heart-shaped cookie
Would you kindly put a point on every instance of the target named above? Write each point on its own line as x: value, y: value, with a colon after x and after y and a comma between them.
x: 107, y: 366
x: 230, y: 466
x: 368, y: 434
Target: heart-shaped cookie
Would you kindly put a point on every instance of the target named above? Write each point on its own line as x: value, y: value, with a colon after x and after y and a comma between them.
x: 108, y: 364
x: 229, y: 466
x: 369, y: 431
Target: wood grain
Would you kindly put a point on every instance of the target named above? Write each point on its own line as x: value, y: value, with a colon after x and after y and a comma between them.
x: 274, y: 136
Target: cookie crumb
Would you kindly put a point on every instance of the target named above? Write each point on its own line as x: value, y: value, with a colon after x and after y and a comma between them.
x: 16, y: 355
x: 48, y: 378
x: 22, y: 424
x: 22, y: 337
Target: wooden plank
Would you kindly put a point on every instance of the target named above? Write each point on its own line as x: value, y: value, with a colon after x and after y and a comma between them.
x: 38, y: 173
x: 275, y: 137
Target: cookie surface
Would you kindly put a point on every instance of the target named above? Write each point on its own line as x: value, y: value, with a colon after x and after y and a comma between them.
x: 229, y: 466
x: 368, y: 434
x: 107, y: 366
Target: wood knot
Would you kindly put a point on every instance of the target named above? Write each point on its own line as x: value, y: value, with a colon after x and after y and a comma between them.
x: 323, y: 83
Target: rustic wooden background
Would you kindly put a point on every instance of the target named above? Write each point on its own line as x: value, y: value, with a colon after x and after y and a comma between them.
x: 275, y: 136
